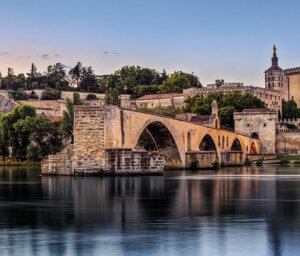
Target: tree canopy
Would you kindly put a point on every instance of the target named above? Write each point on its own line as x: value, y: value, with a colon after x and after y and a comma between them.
x: 289, y: 109
x: 31, y: 136
x: 134, y: 80
x: 227, y: 102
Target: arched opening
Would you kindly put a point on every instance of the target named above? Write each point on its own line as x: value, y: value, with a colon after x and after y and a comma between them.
x: 236, y: 145
x: 223, y: 142
x: 216, y: 124
x: 189, y: 141
x: 227, y: 141
x: 207, y: 144
x: 162, y: 141
x: 253, y: 150
x: 254, y: 135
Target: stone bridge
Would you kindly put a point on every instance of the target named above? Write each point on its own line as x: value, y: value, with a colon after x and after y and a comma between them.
x: 101, y: 132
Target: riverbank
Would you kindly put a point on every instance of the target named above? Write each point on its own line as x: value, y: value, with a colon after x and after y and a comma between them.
x: 24, y: 163
x: 279, y: 160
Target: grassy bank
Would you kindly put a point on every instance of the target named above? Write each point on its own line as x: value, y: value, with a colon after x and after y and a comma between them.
x: 287, y: 158
x: 25, y: 163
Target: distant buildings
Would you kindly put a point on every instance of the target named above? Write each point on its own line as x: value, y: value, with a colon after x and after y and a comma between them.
x: 167, y: 100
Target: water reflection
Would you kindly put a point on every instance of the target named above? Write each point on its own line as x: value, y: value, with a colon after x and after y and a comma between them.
x: 236, y: 211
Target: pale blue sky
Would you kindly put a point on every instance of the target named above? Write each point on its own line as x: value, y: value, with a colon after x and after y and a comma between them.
x: 229, y: 39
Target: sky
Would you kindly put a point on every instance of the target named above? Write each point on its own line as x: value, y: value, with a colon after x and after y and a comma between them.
x: 215, y: 39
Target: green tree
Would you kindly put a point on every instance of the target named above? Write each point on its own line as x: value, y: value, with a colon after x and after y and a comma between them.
x: 227, y: 102
x: 289, y: 109
x: 175, y: 84
x: 33, y: 78
x: 194, y: 80
x: 112, y: 96
x: 18, y: 140
x: 76, y: 74
x: 51, y: 94
x: 43, y: 136
x: 67, y: 122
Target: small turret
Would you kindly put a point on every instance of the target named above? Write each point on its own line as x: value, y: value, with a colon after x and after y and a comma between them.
x: 215, y: 114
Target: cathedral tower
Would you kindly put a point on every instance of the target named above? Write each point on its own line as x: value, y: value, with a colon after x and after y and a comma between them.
x: 274, y: 76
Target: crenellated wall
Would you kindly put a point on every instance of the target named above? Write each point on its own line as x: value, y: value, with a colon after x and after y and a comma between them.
x: 288, y: 141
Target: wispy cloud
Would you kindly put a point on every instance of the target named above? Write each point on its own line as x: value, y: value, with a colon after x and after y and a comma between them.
x: 107, y: 52
x: 57, y: 55
x: 45, y: 56
x: 5, y: 53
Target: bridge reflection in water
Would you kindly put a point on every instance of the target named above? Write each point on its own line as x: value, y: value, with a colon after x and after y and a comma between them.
x: 232, y: 212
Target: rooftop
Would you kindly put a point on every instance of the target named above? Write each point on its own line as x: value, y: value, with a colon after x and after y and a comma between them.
x: 160, y: 96
x: 248, y: 110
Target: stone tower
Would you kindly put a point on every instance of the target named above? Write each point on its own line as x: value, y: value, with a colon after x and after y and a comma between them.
x: 274, y: 76
x: 215, y: 114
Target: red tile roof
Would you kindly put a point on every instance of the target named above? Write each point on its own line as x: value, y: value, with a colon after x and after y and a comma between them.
x: 160, y: 96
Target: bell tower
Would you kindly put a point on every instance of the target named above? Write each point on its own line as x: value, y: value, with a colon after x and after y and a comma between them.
x: 274, y: 76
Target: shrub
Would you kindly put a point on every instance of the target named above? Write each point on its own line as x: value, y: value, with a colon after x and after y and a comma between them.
x: 91, y: 96
x: 284, y: 162
x: 259, y: 162
x: 217, y: 165
x: 33, y: 95
x: 247, y: 162
x: 18, y: 95
x: 51, y: 94
x: 194, y: 165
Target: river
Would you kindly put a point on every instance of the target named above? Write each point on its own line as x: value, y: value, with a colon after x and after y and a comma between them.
x: 236, y: 211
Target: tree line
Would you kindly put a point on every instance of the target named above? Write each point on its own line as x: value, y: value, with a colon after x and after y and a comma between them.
x: 25, y: 135
x: 133, y: 80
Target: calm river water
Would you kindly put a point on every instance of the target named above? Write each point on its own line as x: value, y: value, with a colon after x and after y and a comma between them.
x: 236, y: 211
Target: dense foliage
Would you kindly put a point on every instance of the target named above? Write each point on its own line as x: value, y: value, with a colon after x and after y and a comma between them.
x: 30, y: 136
x: 289, y: 110
x: 133, y: 80
x: 51, y: 94
x: 227, y: 102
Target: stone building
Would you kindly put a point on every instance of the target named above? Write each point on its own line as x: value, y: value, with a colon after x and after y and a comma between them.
x: 260, y: 124
x: 167, y: 100
x: 293, y: 84
x: 287, y: 81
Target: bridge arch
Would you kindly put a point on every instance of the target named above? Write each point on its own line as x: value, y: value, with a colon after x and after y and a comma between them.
x: 207, y: 144
x: 166, y: 140
x: 236, y: 145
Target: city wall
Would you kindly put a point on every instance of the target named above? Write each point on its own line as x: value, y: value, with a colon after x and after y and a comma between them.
x: 288, y: 141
